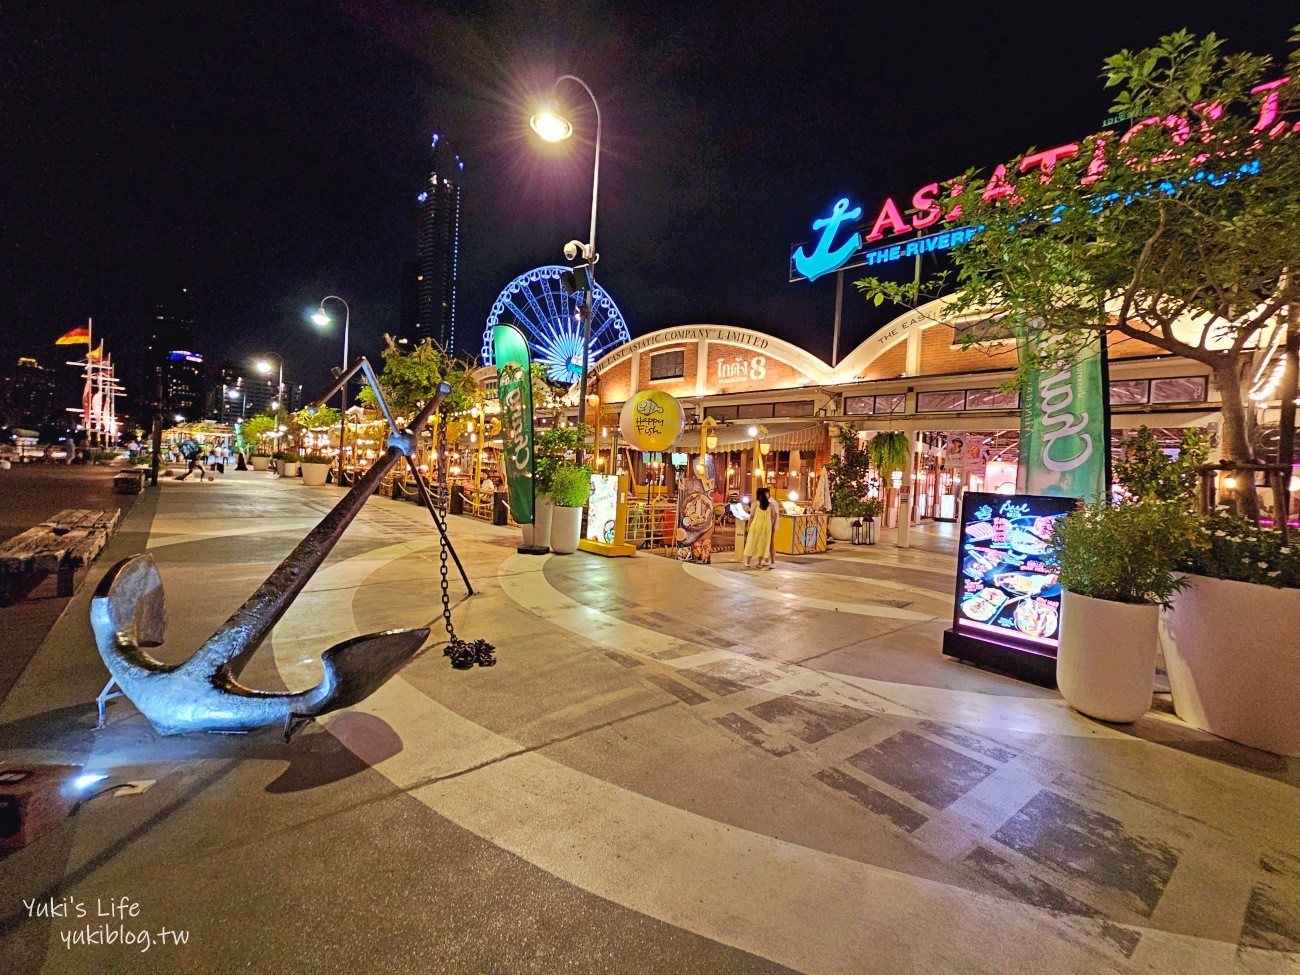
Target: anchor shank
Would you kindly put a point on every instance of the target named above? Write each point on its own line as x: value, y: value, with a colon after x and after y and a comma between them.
x: 245, y: 630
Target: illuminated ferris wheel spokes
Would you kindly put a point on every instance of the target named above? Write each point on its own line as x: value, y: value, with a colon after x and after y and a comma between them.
x: 551, y: 320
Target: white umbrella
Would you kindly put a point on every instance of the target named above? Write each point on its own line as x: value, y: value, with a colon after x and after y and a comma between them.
x: 822, y: 494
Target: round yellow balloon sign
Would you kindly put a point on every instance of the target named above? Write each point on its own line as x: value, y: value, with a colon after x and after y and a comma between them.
x: 651, y: 420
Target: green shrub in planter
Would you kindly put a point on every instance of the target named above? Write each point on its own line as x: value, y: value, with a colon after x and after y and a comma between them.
x: 873, y: 509
x: 316, y: 459
x: 1235, y: 548
x: 1127, y: 552
x: 571, y: 485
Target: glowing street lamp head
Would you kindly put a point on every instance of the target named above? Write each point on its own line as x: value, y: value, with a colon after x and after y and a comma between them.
x: 551, y: 125
x: 320, y: 317
x: 264, y: 367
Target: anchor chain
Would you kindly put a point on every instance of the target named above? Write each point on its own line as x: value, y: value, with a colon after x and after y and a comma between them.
x: 464, y: 654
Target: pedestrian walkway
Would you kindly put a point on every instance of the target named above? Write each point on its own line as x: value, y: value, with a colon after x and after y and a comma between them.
x: 673, y: 768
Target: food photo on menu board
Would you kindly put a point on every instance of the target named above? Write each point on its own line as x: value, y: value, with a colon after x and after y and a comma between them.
x: 1009, y: 583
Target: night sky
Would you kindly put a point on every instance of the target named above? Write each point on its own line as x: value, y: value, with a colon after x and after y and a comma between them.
x: 269, y: 153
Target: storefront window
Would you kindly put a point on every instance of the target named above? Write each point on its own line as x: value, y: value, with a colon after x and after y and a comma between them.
x: 720, y: 412
x: 1128, y: 391
x: 754, y: 411
x: 800, y: 407
x: 991, y: 399
x: 891, y: 403
x: 859, y: 405
x: 1184, y: 389
x: 946, y: 401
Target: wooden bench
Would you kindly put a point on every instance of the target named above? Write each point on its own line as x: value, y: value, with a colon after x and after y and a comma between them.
x: 63, y: 544
x: 129, y: 481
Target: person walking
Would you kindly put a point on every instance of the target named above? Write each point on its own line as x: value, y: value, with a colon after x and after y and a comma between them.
x: 760, y: 543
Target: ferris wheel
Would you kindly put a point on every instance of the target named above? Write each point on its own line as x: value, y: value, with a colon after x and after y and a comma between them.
x: 551, y: 321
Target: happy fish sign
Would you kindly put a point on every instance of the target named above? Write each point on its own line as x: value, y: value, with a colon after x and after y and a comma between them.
x: 651, y: 420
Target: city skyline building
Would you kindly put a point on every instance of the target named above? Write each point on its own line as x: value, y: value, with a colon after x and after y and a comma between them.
x: 172, y: 374
x: 438, y: 229
x: 236, y: 395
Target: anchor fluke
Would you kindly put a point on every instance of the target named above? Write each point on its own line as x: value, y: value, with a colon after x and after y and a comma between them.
x: 128, y: 613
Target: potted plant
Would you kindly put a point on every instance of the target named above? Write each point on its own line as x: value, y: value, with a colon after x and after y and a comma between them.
x: 261, y: 460
x: 1118, y: 566
x: 1229, y: 635
x: 570, y: 488
x: 288, y: 463
x: 551, y: 449
x: 315, y: 469
x: 847, y: 473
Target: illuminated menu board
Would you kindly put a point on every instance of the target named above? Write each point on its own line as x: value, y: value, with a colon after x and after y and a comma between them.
x: 602, y: 508
x: 1008, y: 587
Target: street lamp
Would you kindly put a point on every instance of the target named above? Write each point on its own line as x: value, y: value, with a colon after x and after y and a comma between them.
x: 553, y: 127
x: 265, y: 368
x: 322, y: 319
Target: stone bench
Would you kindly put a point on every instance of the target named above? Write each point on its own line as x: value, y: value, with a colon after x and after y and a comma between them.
x: 129, y: 481
x: 63, y: 544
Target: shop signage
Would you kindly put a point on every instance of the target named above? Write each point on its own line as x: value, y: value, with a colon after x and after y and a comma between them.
x: 602, y: 508
x: 742, y: 370
x: 651, y: 420
x: 925, y: 209
x: 515, y: 391
x: 1063, y: 428
x: 700, y: 333
x: 694, y: 535
x: 1008, y: 589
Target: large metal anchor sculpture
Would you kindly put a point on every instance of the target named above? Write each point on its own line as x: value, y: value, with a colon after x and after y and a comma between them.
x: 127, y: 614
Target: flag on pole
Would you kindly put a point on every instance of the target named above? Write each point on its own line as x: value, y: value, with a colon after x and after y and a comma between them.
x: 96, y: 355
x: 77, y: 336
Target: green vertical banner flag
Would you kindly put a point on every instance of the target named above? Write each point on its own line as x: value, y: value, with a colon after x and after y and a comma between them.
x: 515, y: 390
x: 1063, y: 428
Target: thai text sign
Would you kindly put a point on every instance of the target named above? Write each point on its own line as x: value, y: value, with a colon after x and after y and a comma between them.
x: 1063, y: 427
x: 515, y: 391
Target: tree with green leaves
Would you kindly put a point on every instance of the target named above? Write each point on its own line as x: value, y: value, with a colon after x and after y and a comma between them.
x: 1182, y: 232
x: 410, y: 378
x: 256, y: 428
x: 1147, y: 473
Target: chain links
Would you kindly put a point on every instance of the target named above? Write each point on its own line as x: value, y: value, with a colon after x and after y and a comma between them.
x: 464, y: 654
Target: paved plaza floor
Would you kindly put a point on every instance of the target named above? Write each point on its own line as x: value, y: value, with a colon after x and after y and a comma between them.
x: 673, y: 768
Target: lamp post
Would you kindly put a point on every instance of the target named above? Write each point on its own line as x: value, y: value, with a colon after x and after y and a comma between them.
x: 553, y: 127
x: 322, y: 319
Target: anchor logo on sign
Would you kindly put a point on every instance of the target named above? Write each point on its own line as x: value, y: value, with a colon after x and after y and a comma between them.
x: 823, y: 260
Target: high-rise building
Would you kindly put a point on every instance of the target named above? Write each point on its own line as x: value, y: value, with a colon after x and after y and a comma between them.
x: 237, y: 395
x: 34, y: 396
x: 172, y: 380
x: 438, y: 234
x: 408, y: 324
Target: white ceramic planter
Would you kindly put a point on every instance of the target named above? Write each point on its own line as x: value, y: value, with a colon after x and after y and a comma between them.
x: 1233, y: 658
x: 566, y: 528
x: 261, y: 463
x: 542, y: 509
x: 1106, y: 665
x: 840, y: 528
x: 288, y: 468
x: 314, y: 475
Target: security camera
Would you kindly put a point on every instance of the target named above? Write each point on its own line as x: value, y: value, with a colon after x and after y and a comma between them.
x: 572, y: 249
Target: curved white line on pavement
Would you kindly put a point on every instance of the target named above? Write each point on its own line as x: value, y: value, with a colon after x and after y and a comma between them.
x: 812, y: 911
x: 754, y: 584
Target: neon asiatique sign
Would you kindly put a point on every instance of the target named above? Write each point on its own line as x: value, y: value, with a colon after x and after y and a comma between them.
x: 856, y: 250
